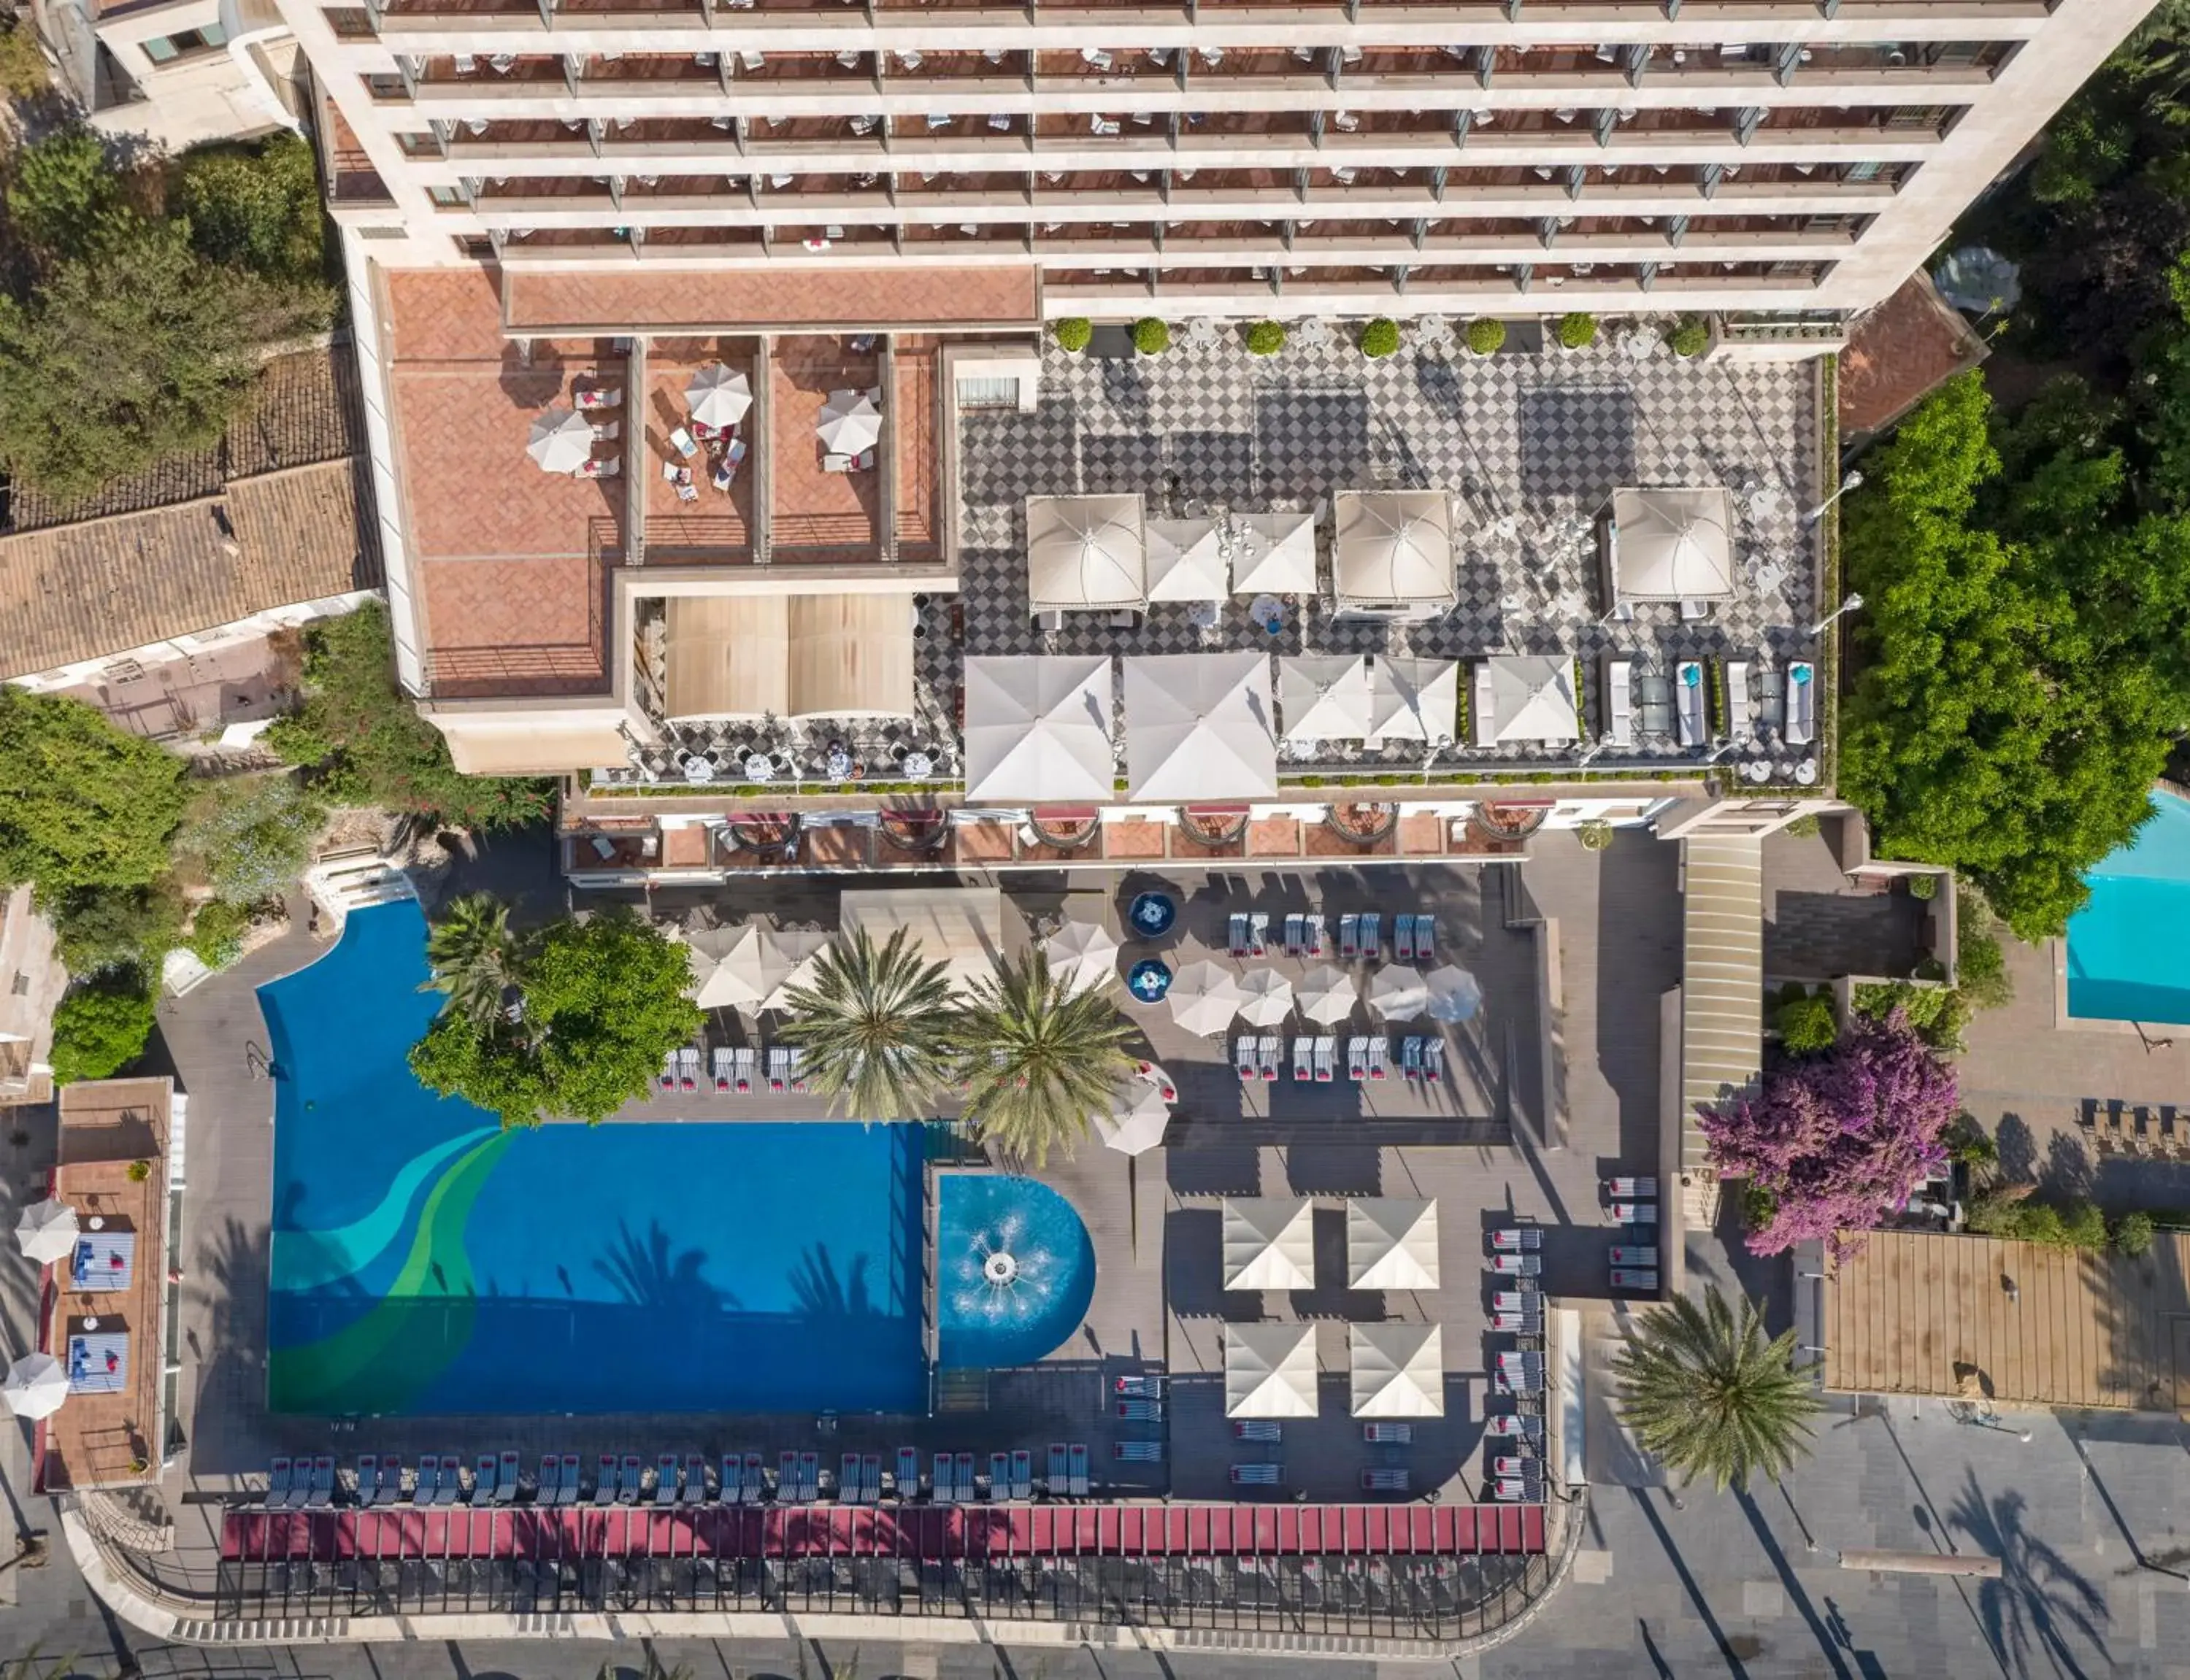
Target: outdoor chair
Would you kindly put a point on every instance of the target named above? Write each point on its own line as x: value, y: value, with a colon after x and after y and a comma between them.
x: 1349, y: 938
x: 1257, y: 1429
x: 1316, y: 936
x: 1255, y: 1475
x: 1296, y: 934
x: 1236, y: 936
x: 1411, y: 1059
x: 724, y: 1065
x: 1433, y: 1061
x: 1326, y: 1059
x: 1403, y: 938
x: 1303, y: 1060
x: 1371, y: 936
x: 1244, y: 1058
x: 1273, y: 1053
x: 1357, y: 1059
x: 1258, y: 933
x: 1380, y: 1056
x: 1387, y: 1434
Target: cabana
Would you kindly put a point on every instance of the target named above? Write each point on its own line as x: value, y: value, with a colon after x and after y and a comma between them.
x: 1393, y: 554
x: 1396, y: 1370
x: 1390, y: 1243
x: 1269, y: 1243
x: 962, y: 927
x: 1269, y: 1370
x: 1668, y: 545
x: 1085, y: 552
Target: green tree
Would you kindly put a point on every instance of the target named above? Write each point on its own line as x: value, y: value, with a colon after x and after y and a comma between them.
x: 99, y: 927
x: 23, y: 72
x: 258, y: 207
x: 250, y: 836
x: 101, y: 1027
x: 131, y: 354
x: 876, y: 1026
x: 473, y: 957
x: 1708, y: 1393
x: 64, y: 197
x: 82, y: 804
x: 1807, y: 1024
x: 362, y: 741
x: 1040, y: 1060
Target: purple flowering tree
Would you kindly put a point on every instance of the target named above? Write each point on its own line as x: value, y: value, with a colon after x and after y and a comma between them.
x: 1840, y: 1138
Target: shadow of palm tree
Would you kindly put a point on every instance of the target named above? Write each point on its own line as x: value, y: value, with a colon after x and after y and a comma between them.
x: 822, y: 1294
x: 2040, y: 1604
x: 646, y: 1274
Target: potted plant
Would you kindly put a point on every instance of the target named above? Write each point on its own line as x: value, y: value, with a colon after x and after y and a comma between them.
x: 1690, y: 337
x: 1577, y: 330
x: 139, y: 1171
x: 1380, y: 337
x: 1486, y: 336
x: 1072, y: 333
x: 1266, y: 338
x: 1594, y: 833
x: 1151, y: 337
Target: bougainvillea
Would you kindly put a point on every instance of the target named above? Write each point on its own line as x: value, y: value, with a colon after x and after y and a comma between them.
x: 1840, y: 1138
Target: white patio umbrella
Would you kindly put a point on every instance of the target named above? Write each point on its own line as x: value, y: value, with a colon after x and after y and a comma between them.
x: 1454, y: 994
x: 1398, y: 992
x: 1199, y: 726
x: 1324, y: 697
x: 1269, y: 1243
x: 850, y: 423
x: 717, y: 396
x: 1397, y: 1369
x: 48, y: 1231
x: 756, y: 964
x: 561, y: 441
x: 1390, y: 1243
x: 1137, y: 1124
x: 1269, y: 997
x: 1325, y: 993
x: 1204, y: 998
x: 1269, y: 1370
x: 1038, y: 727
x: 36, y: 1385
x: 798, y: 979
x: 1083, y: 955
x: 1184, y: 561
x: 1274, y: 554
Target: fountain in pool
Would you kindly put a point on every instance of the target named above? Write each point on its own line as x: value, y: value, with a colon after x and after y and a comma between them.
x: 999, y: 1278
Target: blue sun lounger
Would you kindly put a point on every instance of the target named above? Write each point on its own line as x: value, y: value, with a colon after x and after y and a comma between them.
x: 1000, y: 1475
x: 849, y: 1489
x: 665, y: 1479
x: 368, y: 1476
x: 787, y: 1477
x: 1255, y: 1475
x: 482, y: 1477
x: 551, y: 1478
x: 277, y: 1485
x: 756, y: 1479
x: 1060, y: 1473
x: 448, y: 1484
x: 908, y: 1473
x: 605, y: 1481
x: 1138, y: 1452
x: 946, y: 1485
x: 567, y: 1492
x: 1079, y: 1476
x: 505, y: 1482
x: 734, y: 1479
x: 809, y: 1476
x: 630, y: 1478
x: 1021, y: 1474
x: 695, y: 1479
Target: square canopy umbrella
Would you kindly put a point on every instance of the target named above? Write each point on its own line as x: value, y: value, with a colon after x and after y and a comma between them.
x: 46, y: 1232
x: 850, y: 423
x: 1269, y: 1370
x: 1668, y: 545
x: 1269, y: 997
x: 1269, y: 1243
x: 1137, y: 1123
x: 36, y: 1386
x: 1203, y: 997
x: 1185, y: 562
x: 1454, y: 994
x: 1085, y: 550
x: 1326, y: 698
x: 1390, y: 1243
x: 1038, y: 727
x: 561, y: 441
x: 1393, y: 550
x: 1273, y: 554
x: 1326, y: 993
x: 1082, y: 955
x: 1199, y: 726
x: 1412, y: 700
x: 718, y: 397
x: 1398, y: 992
x: 758, y: 960
x: 1397, y: 1369
x: 1525, y: 697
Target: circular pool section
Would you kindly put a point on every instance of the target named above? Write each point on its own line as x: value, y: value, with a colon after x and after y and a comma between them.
x: 1014, y: 1270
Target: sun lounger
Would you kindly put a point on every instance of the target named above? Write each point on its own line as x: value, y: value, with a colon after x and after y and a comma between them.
x: 1060, y: 1470
x: 1138, y: 1452
x: 551, y: 1479
x: 1147, y: 1383
x: 1388, y: 1434
x: 1317, y: 936
x: 421, y: 1484
x: 1799, y: 724
x: 1410, y: 1058
x: 1296, y: 934
x: 688, y: 1068
x: 734, y: 1479
x: 1738, y: 726
x: 666, y: 1079
x: 1372, y: 935
x: 1635, y: 1254
x: 1349, y: 938
x: 1273, y: 1054
x: 1243, y: 1057
x: 1635, y: 1213
x: 787, y: 1477
x: 1078, y: 1477
x: 870, y: 1477
x: 694, y: 1491
x: 1524, y: 1369
x: 1641, y: 1282
x: 809, y: 1476
x: 756, y: 1479
x: 1523, y: 1322
x: 1257, y: 1429
x: 482, y: 1477
x: 1643, y: 1189
x: 368, y: 1476
x: 1236, y: 938
x: 1303, y: 1061
x: 1257, y: 1475
x: 1433, y: 1061
x: 449, y: 1484
x: 1258, y: 933
x: 1380, y: 1056
x: 1425, y: 941
x: 850, y: 1488
x: 723, y: 1064
x: 566, y: 1491
x: 1383, y: 1481
x: 1000, y: 1475
x: 1326, y: 1060
x: 665, y: 1479
x: 1512, y: 1426
x: 946, y: 1484
x: 745, y: 1065
x: 505, y: 1481
x: 604, y: 1482
x: 964, y: 1472
x: 797, y: 1068
x: 908, y: 1473
x: 277, y: 1485
x: 1357, y: 1059
x: 1513, y: 1239
x: 324, y: 1478
x: 630, y: 1477
x: 1517, y: 1266
x: 778, y: 1070
x: 1021, y: 1474
x: 1403, y: 938
x: 1516, y: 1300
x: 1689, y: 726
x: 1141, y: 1411
x: 1511, y: 1465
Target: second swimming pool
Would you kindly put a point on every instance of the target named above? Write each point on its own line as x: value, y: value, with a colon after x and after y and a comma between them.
x: 2125, y: 945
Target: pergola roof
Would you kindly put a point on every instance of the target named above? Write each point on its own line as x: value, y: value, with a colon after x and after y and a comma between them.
x: 1390, y: 1243
x: 1199, y: 726
x: 1269, y: 1243
x: 1085, y: 552
x: 1038, y: 727
x: 962, y: 927
x: 788, y: 655
x: 1670, y: 544
x: 1269, y: 1370
x: 1396, y: 1370
x: 1393, y: 548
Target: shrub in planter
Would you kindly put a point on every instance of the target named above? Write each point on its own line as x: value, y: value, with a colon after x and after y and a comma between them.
x: 1380, y: 337
x: 1691, y: 337
x: 1577, y: 331
x: 1487, y: 336
x: 1807, y: 1025
x: 1923, y: 887
x: 1266, y: 338
x: 1595, y: 834
x: 139, y: 1171
x: 2133, y: 1234
x: 1073, y: 333
x: 1151, y: 337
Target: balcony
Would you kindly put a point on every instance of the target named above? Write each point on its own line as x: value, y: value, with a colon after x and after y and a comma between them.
x: 991, y: 188
x: 801, y: 72
x: 636, y: 72
x: 498, y: 69
x: 943, y: 74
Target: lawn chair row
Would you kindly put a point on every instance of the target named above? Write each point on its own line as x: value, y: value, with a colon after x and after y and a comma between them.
x: 1315, y: 1060
x: 733, y: 1070
x: 1414, y: 938
x: 1518, y: 1312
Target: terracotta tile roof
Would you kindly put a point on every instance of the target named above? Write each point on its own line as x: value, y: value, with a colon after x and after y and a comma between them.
x: 1901, y: 351
x: 516, y: 626
x: 833, y: 298
x: 85, y: 590
x: 305, y: 409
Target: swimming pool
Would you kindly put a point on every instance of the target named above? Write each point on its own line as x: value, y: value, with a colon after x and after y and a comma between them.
x: 425, y: 1262
x: 2125, y: 945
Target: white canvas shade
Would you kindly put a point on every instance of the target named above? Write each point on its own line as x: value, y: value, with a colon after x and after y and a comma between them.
x: 1273, y: 554
x: 962, y: 927
x: 1454, y: 994
x: 36, y: 1385
x: 561, y: 441
x: 1137, y: 1124
x: 1269, y: 1243
x: 753, y: 656
x: 1203, y: 997
x: 1525, y: 697
x: 1390, y: 1243
x: 1269, y: 997
x: 1184, y: 561
x: 1199, y: 726
x: 1398, y: 992
x: 46, y: 1232
x: 1393, y: 549
x: 1412, y: 700
x: 759, y: 959
x: 1397, y: 1369
x: 1326, y: 698
x: 1085, y: 550
x: 1082, y: 955
x: 1038, y: 728
x: 1326, y: 993
x: 800, y: 979
x: 850, y: 423
x: 1269, y: 1370
x: 717, y: 396
x: 1670, y: 544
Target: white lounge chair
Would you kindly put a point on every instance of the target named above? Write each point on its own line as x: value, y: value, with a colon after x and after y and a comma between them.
x: 1801, y: 727
x: 1619, y: 701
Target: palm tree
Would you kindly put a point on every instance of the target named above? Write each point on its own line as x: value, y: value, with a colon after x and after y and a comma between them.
x: 876, y: 1024
x: 1708, y: 1394
x: 1038, y: 1061
x: 474, y: 956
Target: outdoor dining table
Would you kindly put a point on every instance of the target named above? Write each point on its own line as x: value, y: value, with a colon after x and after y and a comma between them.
x: 1269, y: 612
x: 839, y: 764
x: 697, y: 769
x: 917, y: 764
x: 759, y: 767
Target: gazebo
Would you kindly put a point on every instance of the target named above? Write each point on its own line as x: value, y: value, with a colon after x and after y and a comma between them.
x: 1038, y: 727
x: 1085, y: 552
x: 1668, y: 545
x: 1393, y: 554
x: 1199, y: 726
x: 1396, y: 1370
x: 1269, y: 1370
x: 1269, y: 1243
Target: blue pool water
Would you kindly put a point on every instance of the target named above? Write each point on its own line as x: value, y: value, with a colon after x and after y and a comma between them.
x: 2126, y: 945
x: 1014, y: 1272
x: 425, y: 1262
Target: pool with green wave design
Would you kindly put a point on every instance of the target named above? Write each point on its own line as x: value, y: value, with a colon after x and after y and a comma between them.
x: 425, y: 1263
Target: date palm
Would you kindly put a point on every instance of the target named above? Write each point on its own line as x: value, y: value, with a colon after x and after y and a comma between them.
x: 875, y: 1025
x: 1707, y: 1393
x: 474, y: 956
x: 1040, y: 1060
